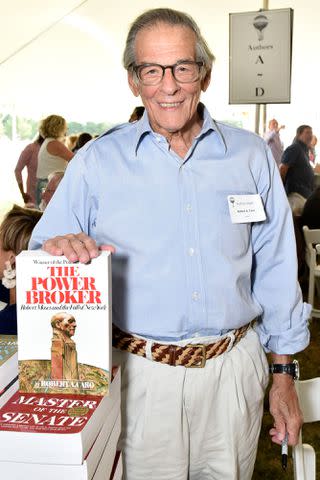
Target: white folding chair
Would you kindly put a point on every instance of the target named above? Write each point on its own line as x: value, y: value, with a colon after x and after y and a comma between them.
x: 312, y: 239
x: 304, y: 456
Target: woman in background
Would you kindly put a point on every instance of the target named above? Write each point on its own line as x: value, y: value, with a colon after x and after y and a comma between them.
x: 29, y: 159
x: 53, y: 154
x: 15, y: 233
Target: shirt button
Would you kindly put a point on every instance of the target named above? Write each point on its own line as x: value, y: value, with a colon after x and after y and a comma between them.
x: 195, y: 296
x: 191, y: 251
x: 189, y: 208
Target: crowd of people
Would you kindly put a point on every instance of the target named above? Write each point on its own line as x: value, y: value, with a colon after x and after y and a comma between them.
x: 48, y: 154
x: 153, y: 191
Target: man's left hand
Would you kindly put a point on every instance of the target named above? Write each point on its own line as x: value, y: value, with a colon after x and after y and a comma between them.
x: 284, y: 407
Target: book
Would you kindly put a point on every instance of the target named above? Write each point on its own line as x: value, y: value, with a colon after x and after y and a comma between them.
x: 58, y: 429
x: 117, y: 469
x: 8, y: 359
x: 8, y: 391
x: 105, y: 466
x: 64, y: 324
x: 105, y: 440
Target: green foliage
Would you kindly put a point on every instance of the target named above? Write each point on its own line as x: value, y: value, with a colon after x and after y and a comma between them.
x: 28, y: 128
x: 6, y: 121
x: 89, y: 127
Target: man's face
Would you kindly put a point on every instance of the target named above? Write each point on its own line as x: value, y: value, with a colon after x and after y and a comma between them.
x: 171, y: 106
x: 306, y: 136
x: 68, y: 325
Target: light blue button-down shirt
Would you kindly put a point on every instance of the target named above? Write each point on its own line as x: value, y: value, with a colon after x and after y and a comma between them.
x: 181, y: 267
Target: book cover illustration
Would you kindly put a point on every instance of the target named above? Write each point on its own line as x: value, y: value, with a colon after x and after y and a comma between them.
x: 64, y: 324
x: 8, y: 347
x: 8, y: 359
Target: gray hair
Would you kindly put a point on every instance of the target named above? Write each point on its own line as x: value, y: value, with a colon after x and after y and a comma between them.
x: 152, y: 17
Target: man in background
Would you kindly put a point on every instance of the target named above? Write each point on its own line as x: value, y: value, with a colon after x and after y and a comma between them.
x: 295, y: 170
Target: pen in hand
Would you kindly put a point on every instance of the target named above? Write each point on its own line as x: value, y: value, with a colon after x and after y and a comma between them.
x: 284, y: 452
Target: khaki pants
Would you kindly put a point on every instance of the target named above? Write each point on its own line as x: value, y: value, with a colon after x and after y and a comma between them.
x: 198, y: 423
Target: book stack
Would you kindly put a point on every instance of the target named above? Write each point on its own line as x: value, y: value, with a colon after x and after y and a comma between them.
x: 8, y: 367
x: 64, y: 422
x: 117, y: 470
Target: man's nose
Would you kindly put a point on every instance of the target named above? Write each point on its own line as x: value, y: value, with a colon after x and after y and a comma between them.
x: 169, y: 84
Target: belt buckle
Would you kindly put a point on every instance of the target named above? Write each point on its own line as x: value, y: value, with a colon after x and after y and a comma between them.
x: 202, y: 363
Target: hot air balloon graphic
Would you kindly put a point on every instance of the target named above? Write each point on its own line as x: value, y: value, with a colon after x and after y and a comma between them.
x: 260, y: 22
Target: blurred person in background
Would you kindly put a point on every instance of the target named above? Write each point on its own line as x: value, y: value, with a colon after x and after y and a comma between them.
x: 29, y: 159
x: 53, y: 154
x: 136, y: 114
x: 15, y: 233
x: 83, y: 138
x: 296, y: 172
x: 71, y: 141
x: 312, y: 150
x: 272, y: 137
x: 53, y: 181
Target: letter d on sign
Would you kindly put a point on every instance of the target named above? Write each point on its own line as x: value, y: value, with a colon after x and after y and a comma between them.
x: 259, y: 91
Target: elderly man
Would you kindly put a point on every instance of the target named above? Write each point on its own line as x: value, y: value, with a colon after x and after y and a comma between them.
x: 202, y: 250
x: 295, y: 169
x: 272, y: 137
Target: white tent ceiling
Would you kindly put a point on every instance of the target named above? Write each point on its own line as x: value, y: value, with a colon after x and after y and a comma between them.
x: 52, y: 60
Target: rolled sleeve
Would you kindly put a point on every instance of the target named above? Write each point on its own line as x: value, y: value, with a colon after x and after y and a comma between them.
x: 283, y: 327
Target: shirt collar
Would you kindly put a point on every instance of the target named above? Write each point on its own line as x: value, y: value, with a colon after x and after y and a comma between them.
x: 143, y: 128
x: 209, y: 124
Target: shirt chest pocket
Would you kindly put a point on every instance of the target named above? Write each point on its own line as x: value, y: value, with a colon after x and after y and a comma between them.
x: 234, y: 239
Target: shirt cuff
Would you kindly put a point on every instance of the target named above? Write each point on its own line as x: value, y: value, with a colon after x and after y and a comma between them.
x: 287, y: 342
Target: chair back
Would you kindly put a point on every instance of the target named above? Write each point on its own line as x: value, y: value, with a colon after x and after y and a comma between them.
x: 311, y: 236
x: 304, y: 456
x: 309, y: 398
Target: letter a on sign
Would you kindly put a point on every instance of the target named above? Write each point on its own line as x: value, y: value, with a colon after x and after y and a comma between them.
x: 259, y: 59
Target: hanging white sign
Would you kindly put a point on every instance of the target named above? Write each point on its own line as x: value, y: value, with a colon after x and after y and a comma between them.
x: 260, y: 50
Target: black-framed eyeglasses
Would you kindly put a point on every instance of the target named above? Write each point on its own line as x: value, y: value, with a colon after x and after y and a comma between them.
x: 151, y: 74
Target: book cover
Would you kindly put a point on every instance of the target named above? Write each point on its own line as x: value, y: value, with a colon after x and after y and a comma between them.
x: 109, y: 456
x: 64, y: 324
x: 85, y: 471
x: 54, y: 428
x: 117, y: 468
x: 9, y: 390
x: 8, y: 359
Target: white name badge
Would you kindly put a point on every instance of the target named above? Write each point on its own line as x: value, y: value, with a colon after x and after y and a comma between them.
x: 246, y: 208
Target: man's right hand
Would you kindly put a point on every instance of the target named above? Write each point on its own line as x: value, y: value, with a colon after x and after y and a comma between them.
x: 77, y: 247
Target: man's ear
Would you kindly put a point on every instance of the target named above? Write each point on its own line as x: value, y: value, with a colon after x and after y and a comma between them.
x: 132, y: 84
x: 205, y: 82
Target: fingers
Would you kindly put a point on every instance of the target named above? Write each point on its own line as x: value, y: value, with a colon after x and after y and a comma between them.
x: 76, y: 247
x: 284, y: 407
x: 277, y: 434
x: 109, y: 248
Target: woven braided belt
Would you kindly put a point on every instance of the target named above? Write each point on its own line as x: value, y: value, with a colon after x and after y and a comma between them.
x: 191, y: 355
